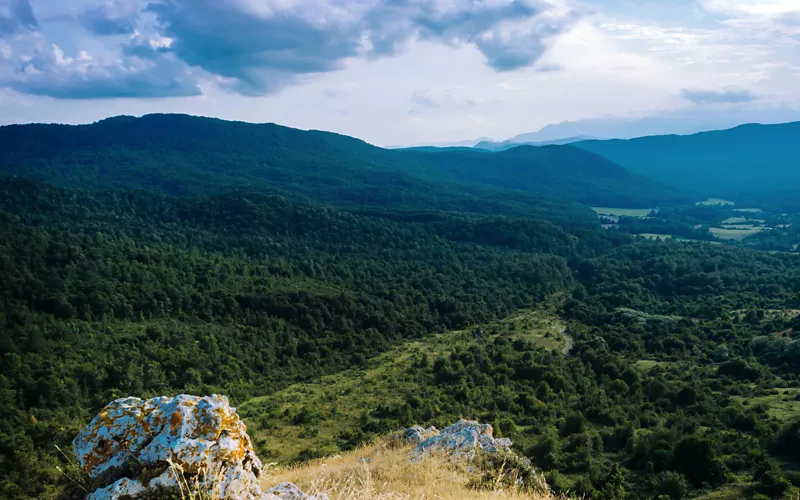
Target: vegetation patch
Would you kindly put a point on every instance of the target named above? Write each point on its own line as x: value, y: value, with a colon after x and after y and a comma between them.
x: 781, y: 403
x: 314, y: 419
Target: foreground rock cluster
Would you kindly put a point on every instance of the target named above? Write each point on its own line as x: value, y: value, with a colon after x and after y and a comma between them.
x: 134, y: 447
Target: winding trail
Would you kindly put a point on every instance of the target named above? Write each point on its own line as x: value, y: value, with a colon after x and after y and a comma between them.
x: 570, y: 342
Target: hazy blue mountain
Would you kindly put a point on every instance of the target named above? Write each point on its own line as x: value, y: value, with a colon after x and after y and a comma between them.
x: 504, y: 145
x: 468, y: 143
x: 690, y: 120
x: 749, y: 164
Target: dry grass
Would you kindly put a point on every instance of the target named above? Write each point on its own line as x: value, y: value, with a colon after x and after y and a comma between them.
x: 382, y: 472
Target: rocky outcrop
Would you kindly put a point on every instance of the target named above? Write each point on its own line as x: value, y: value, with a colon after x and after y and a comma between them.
x: 462, y: 441
x: 490, y: 460
x: 416, y: 435
x: 133, y: 447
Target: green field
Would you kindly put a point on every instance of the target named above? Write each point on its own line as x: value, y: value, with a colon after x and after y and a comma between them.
x: 737, y: 233
x: 716, y: 201
x: 314, y: 415
x: 623, y: 212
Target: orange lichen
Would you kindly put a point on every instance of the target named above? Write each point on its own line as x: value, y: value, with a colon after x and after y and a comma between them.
x: 175, y: 421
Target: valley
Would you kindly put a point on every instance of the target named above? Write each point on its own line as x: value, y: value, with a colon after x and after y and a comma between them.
x: 312, y: 420
x: 338, y: 292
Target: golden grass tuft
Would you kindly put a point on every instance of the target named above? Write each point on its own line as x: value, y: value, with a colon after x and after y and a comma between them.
x: 383, y: 472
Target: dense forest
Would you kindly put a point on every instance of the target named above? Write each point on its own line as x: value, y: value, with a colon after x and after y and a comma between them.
x: 146, y: 268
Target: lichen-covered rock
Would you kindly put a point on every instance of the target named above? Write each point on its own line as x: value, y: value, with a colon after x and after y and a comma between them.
x: 124, y: 488
x: 462, y: 441
x: 417, y: 434
x: 200, y: 438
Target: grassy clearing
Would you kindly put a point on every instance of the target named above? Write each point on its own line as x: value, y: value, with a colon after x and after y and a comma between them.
x: 620, y: 212
x: 737, y: 234
x: 748, y: 210
x: 649, y: 364
x: 783, y: 404
x: 716, y: 201
x: 653, y: 236
x: 382, y: 472
x: 313, y: 415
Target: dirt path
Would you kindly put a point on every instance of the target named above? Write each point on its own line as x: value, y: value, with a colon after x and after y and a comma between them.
x: 570, y: 342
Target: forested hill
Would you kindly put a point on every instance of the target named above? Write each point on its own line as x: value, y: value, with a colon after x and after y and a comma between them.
x: 185, y: 155
x: 753, y: 163
x: 556, y: 171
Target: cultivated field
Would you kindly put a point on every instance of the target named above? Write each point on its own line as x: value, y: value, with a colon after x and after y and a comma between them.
x: 716, y: 201
x: 737, y: 233
x: 623, y: 212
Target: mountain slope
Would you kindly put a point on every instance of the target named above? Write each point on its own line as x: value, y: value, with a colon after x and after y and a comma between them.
x: 751, y: 163
x: 557, y: 171
x: 184, y: 155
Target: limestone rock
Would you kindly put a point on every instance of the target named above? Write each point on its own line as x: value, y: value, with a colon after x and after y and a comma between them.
x: 462, y: 441
x: 120, y: 489
x: 288, y: 491
x: 417, y: 434
x: 200, y: 438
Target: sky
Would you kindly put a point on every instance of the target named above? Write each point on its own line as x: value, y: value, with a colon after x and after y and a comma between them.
x: 407, y: 71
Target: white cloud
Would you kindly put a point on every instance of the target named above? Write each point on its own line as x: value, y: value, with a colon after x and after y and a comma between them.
x: 762, y: 8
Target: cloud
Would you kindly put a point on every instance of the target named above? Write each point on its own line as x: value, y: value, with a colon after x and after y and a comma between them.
x: 723, y: 96
x: 253, y: 47
x: 51, y: 73
x: 258, y: 49
x: 422, y: 100
x: 111, y: 18
x: 16, y: 16
x: 762, y: 8
x: 549, y: 68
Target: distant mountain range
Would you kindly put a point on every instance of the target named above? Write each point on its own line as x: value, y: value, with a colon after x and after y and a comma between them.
x: 683, y: 121
x: 512, y: 143
x: 191, y: 156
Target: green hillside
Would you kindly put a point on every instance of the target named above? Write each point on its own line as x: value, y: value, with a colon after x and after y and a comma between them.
x: 556, y: 171
x: 751, y: 164
x: 184, y: 155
